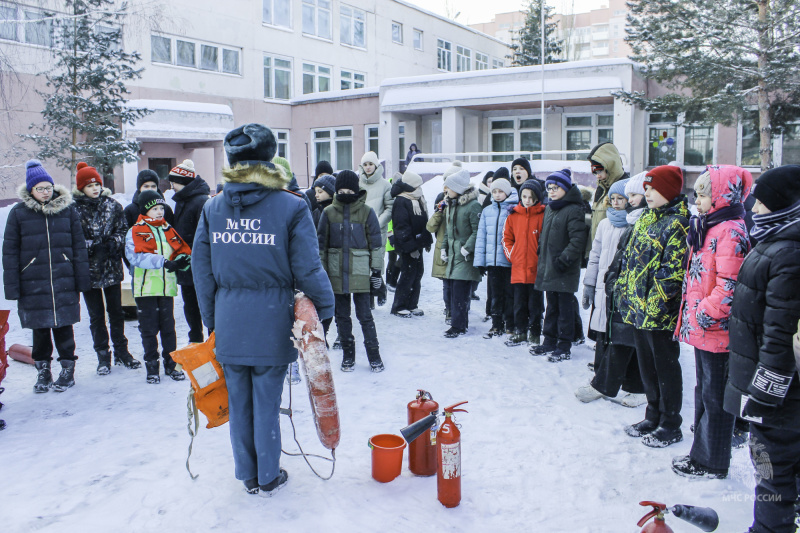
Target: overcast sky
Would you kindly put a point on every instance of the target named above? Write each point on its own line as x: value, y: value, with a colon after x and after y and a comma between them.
x: 474, y: 11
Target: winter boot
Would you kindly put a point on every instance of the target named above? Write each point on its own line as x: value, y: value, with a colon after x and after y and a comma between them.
x: 640, y: 429
x: 740, y: 436
x: 417, y: 312
x: 153, y: 371
x: 171, y: 371
x: 628, y: 399
x: 66, y: 378
x: 402, y: 313
x: 517, y: 338
x: 275, y: 485
x: 452, y: 333
x: 494, y: 332
x: 374, y: 356
x: 124, y: 358
x: 587, y: 393
x: 337, y: 344
x: 534, y: 337
x: 45, y: 378
x: 474, y: 297
x: 293, y: 374
x: 559, y: 355
x: 662, y: 437
x: 542, y: 350
x: 103, y: 363
x: 687, y: 467
x: 349, y: 358
x: 251, y: 485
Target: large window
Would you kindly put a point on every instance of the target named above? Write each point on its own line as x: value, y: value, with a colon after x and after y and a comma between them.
x: 371, y: 138
x: 193, y: 54
x: 316, y: 78
x: 317, y: 18
x: 444, y: 52
x: 785, y: 146
x: 698, y: 146
x: 277, y: 78
x: 463, y: 59
x: 397, y: 33
x: 8, y: 25
x: 38, y: 31
x: 277, y: 13
x: 352, y: 80
x: 662, y: 145
x: 515, y: 135
x: 582, y: 132
x: 352, y: 26
x: 335, y: 146
x: 481, y: 61
x: 417, y: 39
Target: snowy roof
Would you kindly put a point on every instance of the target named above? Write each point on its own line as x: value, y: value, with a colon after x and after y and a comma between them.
x: 472, y: 74
x: 336, y: 95
x: 178, y: 105
x: 483, y: 92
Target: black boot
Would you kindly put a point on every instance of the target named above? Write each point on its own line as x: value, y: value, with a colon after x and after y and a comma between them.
x: 337, y: 344
x: 103, y: 363
x: 152, y: 371
x: 171, y: 370
x: 375, y: 362
x: 349, y: 359
x: 66, y: 378
x: 45, y: 378
x: 124, y: 358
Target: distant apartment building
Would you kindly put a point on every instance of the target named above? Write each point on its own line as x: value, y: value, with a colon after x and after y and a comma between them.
x: 210, y: 66
x: 597, y: 34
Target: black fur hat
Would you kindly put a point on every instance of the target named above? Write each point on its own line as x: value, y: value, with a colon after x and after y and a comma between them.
x: 251, y: 143
x: 145, y: 176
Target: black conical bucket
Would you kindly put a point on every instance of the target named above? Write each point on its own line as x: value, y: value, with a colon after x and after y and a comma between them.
x: 418, y: 428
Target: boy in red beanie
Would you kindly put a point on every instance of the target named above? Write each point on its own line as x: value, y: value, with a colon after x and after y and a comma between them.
x: 648, y: 293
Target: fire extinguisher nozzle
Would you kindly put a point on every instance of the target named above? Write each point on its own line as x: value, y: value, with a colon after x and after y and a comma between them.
x: 418, y: 428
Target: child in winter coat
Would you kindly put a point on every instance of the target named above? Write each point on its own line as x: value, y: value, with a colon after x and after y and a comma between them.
x: 489, y: 256
x: 45, y: 266
x: 324, y: 189
x: 104, y: 229
x: 462, y: 216
x: 763, y: 381
x: 521, y: 237
x: 437, y: 226
x: 379, y: 198
x: 559, y: 269
x: 409, y: 218
x: 156, y: 252
x: 352, y: 252
x: 649, y: 299
x: 615, y: 365
x: 718, y: 243
x: 393, y: 263
x: 146, y: 180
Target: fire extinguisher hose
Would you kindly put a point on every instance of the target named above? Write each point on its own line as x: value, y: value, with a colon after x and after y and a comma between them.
x: 191, y: 408
x: 304, y: 455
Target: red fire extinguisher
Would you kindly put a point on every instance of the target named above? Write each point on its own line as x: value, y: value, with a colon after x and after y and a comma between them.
x: 704, y: 518
x: 422, y: 451
x: 448, y: 444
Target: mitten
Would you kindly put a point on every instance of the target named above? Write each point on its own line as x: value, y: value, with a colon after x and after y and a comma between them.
x: 464, y: 252
x: 443, y: 256
x: 375, y: 279
x: 588, y: 296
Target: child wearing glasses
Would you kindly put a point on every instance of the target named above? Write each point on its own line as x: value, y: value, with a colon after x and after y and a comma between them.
x: 563, y: 239
x: 45, y: 266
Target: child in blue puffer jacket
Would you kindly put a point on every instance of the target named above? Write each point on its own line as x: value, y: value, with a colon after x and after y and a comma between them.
x: 491, y: 259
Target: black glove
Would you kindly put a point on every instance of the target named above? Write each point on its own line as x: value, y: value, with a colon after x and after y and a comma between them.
x: 99, y: 252
x: 182, y: 262
x: 375, y: 279
x: 482, y: 270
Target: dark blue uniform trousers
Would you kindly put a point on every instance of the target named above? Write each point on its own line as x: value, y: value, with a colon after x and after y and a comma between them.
x: 254, y: 401
x: 713, y: 426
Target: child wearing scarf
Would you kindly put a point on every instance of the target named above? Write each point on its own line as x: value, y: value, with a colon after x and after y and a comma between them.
x: 763, y: 382
x: 155, y: 252
x: 718, y: 244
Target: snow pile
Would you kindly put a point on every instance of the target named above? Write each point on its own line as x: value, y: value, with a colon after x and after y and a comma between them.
x: 109, y: 454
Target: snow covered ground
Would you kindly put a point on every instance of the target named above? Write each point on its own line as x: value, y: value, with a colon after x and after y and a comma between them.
x: 109, y: 453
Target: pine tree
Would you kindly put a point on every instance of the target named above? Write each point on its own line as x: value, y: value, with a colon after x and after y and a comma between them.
x: 85, y: 101
x: 720, y: 58
x: 527, y: 45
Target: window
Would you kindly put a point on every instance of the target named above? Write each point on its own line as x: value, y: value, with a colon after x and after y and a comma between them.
x: 481, y: 61
x: 277, y: 13
x: 497, y: 63
x: 530, y: 136
x: 516, y: 135
x: 208, y: 57
x: 8, y: 28
x: 698, y: 146
x: 751, y: 141
x: 401, y: 134
x: 230, y: 61
x: 38, y: 31
x: 397, y: 33
x: 417, y: 39
x: 790, y: 145
x: 316, y: 78
x: 463, y: 59
x: 352, y: 80
x: 352, y: 26
x: 283, y: 143
x: 581, y: 132
x: 444, y: 55
x: 277, y: 78
x: 160, y: 49
x: 335, y: 146
x: 371, y: 137
x: 662, y: 136
x: 317, y: 18
x: 185, y: 54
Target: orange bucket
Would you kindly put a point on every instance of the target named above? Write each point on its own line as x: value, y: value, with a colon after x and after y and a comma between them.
x: 387, y: 456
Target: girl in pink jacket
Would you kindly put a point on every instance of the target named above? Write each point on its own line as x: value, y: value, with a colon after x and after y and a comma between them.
x: 718, y: 243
